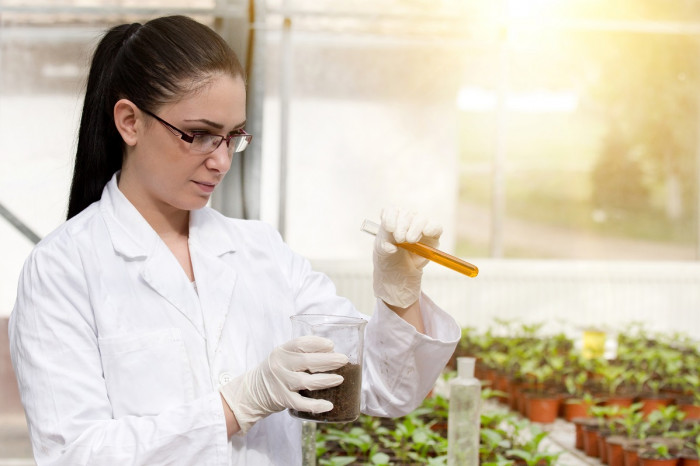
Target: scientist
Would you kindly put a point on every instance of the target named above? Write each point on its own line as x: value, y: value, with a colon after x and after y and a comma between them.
x: 148, y: 328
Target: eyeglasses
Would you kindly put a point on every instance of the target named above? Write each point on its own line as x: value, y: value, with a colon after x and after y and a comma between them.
x: 205, y: 143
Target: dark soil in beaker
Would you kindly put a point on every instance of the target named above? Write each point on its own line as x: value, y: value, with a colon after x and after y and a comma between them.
x: 345, y: 397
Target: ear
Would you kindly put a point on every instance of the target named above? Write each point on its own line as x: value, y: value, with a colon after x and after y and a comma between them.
x: 127, y: 117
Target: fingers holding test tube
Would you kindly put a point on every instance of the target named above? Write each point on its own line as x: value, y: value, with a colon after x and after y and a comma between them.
x: 402, y: 226
x: 397, y: 272
x: 425, y: 247
x: 410, y: 227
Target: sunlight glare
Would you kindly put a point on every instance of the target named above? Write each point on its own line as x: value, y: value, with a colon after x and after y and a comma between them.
x: 531, y: 9
x: 474, y: 99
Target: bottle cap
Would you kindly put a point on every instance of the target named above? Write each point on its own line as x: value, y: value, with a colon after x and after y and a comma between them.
x: 465, y: 367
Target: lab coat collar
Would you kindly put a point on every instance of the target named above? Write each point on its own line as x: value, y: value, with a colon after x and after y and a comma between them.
x: 217, y: 241
x: 131, y: 235
x: 134, y: 238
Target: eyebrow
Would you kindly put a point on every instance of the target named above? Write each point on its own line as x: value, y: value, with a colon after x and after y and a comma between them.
x: 217, y: 125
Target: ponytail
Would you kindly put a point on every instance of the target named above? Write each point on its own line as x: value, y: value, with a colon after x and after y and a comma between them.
x: 99, y: 152
x: 150, y: 65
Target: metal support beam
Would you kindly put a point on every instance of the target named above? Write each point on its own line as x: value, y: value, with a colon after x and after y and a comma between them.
x: 19, y: 225
x: 498, y: 166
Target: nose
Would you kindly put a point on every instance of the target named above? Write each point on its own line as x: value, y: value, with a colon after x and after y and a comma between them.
x: 220, y: 159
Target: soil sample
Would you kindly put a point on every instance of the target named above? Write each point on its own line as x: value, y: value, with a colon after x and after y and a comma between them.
x: 345, y: 397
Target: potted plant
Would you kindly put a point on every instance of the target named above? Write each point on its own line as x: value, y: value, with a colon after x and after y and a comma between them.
x: 615, y: 450
x: 625, y: 428
x: 493, y: 442
x: 531, y: 453
x: 636, y: 429
x: 690, y: 453
x: 581, y: 424
x: 498, y: 429
x: 658, y: 454
x: 660, y: 443
x: 578, y: 399
x: 690, y: 403
x: 508, y: 440
x: 652, y: 399
x: 544, y: 396
x: 613, y: 389
x: 664, y: 420
x: 592, y: 430
x: 660, y: 364
x: 609, y: 424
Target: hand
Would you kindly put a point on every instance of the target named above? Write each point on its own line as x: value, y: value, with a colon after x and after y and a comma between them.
x: 397, y: 272
x: 273, y: 385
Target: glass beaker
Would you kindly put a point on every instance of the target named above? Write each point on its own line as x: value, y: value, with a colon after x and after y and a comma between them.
x: 347, y: 335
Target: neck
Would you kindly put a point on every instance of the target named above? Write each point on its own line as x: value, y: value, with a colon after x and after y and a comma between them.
x: 170, y: 223
x: 167, y: 222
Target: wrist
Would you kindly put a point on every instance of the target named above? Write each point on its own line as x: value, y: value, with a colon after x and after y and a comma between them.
x: 232, y: 426
x: 411, y: 314
x: 239, y: 397
x: 397, y: 289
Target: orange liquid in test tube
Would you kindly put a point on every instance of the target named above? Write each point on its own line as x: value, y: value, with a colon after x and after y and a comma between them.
x: 430, y: 253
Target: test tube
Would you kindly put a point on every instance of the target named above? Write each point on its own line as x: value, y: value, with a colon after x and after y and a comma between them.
x: 429, y: 252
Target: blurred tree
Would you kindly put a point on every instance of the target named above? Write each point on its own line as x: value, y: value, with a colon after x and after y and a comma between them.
x: 618, y: 177
x: 648, y: 84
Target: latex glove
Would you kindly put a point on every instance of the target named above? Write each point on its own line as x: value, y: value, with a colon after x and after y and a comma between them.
x: 397, y: 272
x: 273, y: 385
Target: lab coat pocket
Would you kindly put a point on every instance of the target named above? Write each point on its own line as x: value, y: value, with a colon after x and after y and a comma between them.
x: 146, y: 373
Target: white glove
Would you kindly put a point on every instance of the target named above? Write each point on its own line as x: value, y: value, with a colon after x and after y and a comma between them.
x: 273, y: 385
x: 397, y: 272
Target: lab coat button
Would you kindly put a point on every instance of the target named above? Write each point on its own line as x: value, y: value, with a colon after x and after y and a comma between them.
x: 225, y: 377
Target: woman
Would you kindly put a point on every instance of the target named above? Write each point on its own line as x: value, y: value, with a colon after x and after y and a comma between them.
x: 150, y: 329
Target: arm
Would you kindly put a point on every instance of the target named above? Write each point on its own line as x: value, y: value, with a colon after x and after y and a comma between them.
x: 232, y: 426
x: 400, y: 370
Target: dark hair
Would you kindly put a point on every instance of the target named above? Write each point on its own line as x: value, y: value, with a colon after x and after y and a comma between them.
x: 151, y: 65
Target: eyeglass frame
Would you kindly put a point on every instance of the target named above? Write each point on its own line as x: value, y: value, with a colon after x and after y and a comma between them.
x: 189, y: 138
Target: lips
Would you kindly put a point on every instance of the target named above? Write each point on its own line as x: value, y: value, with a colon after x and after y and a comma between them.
x: 204, y: 186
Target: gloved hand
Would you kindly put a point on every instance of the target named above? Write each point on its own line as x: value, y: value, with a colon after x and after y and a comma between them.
x: 273, y: 385
x: 397, y: 272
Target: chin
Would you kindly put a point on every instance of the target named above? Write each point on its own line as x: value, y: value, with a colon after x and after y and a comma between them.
x: 198, y: 205
x: 194, y: 204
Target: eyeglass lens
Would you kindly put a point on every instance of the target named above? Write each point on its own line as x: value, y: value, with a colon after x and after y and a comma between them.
x: 206, y: 143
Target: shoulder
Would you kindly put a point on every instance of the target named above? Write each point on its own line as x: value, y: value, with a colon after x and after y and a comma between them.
x: 69, y: 235
x: 71, y: 229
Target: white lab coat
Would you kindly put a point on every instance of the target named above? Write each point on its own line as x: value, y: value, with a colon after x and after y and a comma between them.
x: 118, y: 357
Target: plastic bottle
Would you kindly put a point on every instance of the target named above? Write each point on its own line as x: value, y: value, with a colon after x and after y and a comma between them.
x: 464, y: 418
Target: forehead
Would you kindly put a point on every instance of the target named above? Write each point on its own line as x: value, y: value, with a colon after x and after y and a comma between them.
x: 221, y: 98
